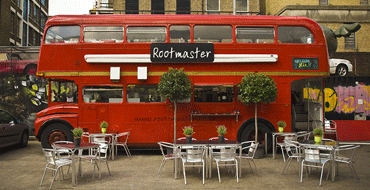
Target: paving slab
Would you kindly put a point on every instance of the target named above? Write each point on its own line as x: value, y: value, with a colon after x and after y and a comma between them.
x: 22, y: 168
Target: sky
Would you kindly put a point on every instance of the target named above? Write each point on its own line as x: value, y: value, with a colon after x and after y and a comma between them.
x: 70, y: 7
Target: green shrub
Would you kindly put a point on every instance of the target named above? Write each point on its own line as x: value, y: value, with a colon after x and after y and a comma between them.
x: 77, y: 132
x: 221, y: 130
x: 318, y: 132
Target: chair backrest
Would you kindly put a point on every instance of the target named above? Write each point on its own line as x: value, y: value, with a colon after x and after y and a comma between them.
x: 101, y: 139
x: 292, y: 148
x: 349, y: 147
x: 227, y: 153
x: 122, y: 137
x: 184, y: 138
x: 311, y: 154
x: 49, y: 155
x: 251, y: 146
x: 303, y: 135
x: 330, y: 127
x: 195, y: 154
x: 252, y: 150
x: 167, y: 145
x: 215, y: 138
x: 290, y: 138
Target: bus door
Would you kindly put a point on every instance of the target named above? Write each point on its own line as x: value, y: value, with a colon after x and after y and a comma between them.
x: 96, y: 104
x: 307, y: 104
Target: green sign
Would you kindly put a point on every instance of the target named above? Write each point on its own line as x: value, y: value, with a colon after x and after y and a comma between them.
x: 305, y: 63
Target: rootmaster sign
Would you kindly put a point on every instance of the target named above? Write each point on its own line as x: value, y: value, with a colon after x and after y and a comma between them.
x: 181, y: 52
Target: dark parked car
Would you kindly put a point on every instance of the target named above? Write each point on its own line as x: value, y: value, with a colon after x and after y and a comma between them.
x: 12, y: 131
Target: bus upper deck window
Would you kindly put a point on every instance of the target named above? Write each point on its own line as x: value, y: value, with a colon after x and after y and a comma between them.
x: 294, y: 34
x: 212, y: 34
x: 103, y: 34
x: 255, y: 34
x: 63, y: 34
x: 146, y: 34
x: 179, y: 33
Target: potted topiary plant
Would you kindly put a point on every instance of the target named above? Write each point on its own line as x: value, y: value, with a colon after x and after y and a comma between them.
x: 77, y: 133
x: 221, y: 130
x: 103, y: 126
x: 281, y: 126
x: 175, y: 85
x: 188, y: 132
x: 318, y: 132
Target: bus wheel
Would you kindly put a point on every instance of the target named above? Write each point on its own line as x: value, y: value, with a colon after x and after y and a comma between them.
x: 248, y: 134
x: 55, y: 132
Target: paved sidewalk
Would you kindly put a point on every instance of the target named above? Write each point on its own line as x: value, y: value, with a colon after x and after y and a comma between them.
x: 22, y: 168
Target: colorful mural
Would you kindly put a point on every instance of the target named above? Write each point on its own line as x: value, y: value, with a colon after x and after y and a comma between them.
x: 348, y: 97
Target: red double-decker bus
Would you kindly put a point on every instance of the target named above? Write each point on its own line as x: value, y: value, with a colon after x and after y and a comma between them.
x: 107, y: 67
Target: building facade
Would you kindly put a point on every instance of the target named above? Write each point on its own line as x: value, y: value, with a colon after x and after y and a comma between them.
x: 22, y: 22
x: 333, y: 14
x: 177, y: 7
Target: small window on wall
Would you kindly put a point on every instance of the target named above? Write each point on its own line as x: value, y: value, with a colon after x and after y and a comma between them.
x: 214, y: 93
x: 103, y: 94
x: 212, y: 34
x: 179, y: 33
x: 294, y: 34
x: 255, y: 34
x: 103, y: 34
x: 323, y: 2
x: 146, y: 34
x: 63, y: 34
x: 364, y: 2
x: 143, y: 94
x: 64, y: 91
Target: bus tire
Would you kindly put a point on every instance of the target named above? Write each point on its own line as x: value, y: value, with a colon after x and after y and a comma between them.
x: 24, y: 139
x: 55, y: 132
x: 248, y: 134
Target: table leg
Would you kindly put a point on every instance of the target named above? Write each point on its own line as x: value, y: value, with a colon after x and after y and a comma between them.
x: 175, y: 162
x: 273, y: 146
x: 74, y: 177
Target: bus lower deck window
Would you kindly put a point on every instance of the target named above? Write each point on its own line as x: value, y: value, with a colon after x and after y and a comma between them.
x: 218, y: 93
x: 143, y: 94
x: 103, y: 94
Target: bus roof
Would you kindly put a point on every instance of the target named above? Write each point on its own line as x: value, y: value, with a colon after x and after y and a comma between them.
x: 179, y: 19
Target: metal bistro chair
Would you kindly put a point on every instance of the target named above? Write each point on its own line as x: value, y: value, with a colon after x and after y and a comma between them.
x: 330, y: 129
x: 251, y: 148
x: 194, y: 155
x: 283, y: 144
x: 312, y: 158
x: 52, y: 160
x: 351, y: 149
x: 102, y: 140
x: 166, y: 156
x: 121, y: 140
x: 226, y: 155
x: 96, y: 154
x: 303, y: 136
x: 292, y: 149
